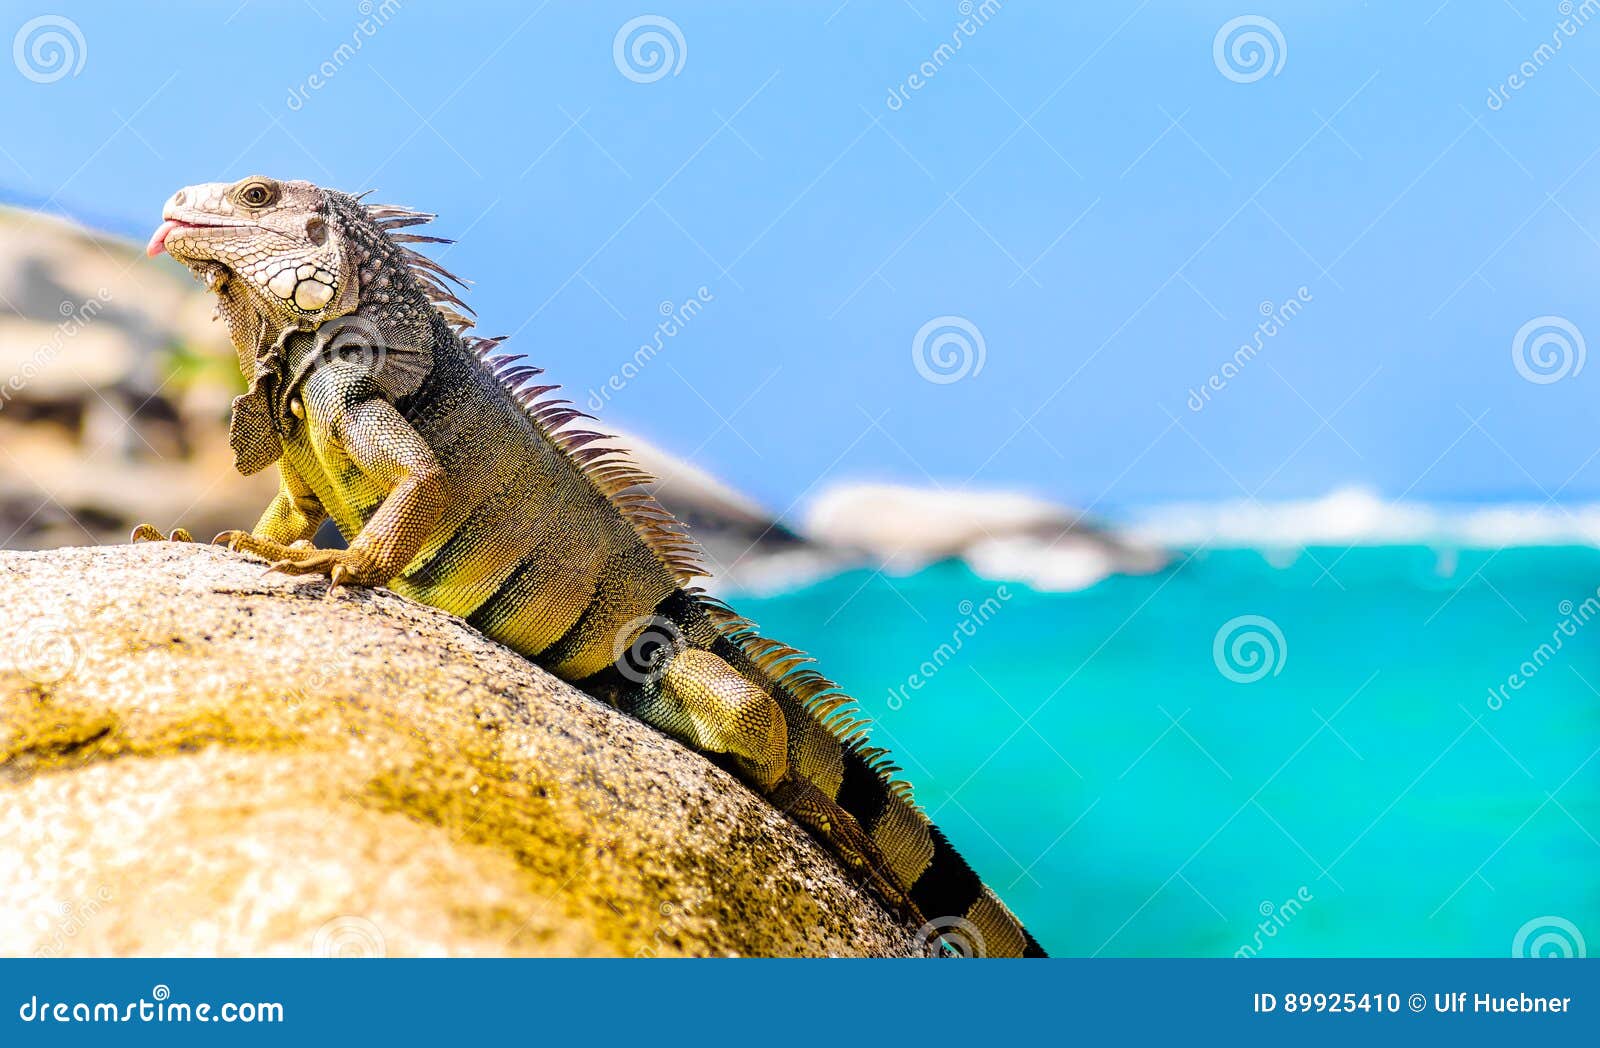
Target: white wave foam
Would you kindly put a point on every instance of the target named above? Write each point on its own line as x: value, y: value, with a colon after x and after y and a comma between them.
x: 1050, y: 567
x: 1359, y: 516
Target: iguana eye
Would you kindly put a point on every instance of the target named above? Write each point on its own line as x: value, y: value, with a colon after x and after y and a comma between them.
x: 257, y: 194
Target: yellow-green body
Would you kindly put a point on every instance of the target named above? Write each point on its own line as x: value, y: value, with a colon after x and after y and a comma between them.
x: 524, y: 546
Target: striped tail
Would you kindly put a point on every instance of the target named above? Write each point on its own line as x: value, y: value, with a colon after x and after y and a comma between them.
x: 964, y: 916
x: 828, y: 746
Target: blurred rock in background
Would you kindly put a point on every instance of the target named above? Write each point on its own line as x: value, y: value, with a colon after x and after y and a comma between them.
x: 114, y: 393
x: 999, y: 534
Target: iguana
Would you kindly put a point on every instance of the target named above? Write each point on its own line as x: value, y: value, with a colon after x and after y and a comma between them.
x: 455, y: 478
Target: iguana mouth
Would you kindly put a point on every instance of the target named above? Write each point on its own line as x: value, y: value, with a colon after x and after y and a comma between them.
x: 158, y: 239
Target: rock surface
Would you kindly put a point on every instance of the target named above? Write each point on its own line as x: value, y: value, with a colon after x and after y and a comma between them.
x: 199, y: 757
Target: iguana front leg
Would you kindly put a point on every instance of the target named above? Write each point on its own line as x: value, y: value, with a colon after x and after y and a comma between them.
x: 294, y: 514
x: 384, y: 446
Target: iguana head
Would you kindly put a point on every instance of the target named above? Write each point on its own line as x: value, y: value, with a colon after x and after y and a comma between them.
x: 275, y: 243
x: 291, y: 257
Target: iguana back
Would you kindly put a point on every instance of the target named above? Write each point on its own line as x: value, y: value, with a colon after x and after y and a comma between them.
x: 461, y: 481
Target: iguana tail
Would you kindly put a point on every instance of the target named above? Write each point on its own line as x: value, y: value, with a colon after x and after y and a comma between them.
x: 795, y: 736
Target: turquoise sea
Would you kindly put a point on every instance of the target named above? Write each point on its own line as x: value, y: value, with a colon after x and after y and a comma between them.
x: 1383, y: 789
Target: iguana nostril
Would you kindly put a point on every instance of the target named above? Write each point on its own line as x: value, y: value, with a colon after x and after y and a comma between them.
x: 178, y: 198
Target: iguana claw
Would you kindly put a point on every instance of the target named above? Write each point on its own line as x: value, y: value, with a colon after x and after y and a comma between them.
x: 234, y: 540
x: 150, y: 533
x: 341, y: 566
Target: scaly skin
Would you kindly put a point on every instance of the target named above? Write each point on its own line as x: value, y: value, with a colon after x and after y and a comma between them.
x: 456, y: 481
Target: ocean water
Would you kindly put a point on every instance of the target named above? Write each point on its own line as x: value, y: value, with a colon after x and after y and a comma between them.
x: 1413, y: 771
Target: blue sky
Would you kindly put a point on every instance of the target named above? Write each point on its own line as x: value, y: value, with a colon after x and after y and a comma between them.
x: 1084, y: 185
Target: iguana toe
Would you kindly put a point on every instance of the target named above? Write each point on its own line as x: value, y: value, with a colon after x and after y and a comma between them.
x: 150, y: 533
x: 230, y: 539
x: 343, y: 567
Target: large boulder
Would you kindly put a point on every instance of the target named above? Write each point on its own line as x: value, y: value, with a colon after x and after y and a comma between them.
x: 201, y: 757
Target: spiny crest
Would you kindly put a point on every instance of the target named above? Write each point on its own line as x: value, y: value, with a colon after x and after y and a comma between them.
x: 622, y: 483
x: 789, y: 669
x: 389, y: 219
x: 625, y: 485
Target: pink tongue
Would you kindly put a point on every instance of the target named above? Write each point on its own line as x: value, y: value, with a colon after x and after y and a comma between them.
x: 158, y: 239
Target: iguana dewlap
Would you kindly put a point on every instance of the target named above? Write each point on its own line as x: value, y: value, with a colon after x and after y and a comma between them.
x: 454, y: 477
